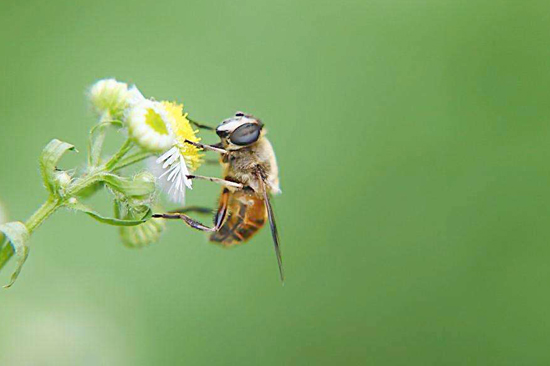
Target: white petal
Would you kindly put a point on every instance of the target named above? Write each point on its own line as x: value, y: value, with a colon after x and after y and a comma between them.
x: 167, y: 154
x: 135, y: 96
x: 185, y: 173
x: 174, y: 173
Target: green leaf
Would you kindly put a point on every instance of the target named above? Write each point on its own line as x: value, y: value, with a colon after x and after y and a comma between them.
x: 18, y: 236
x: 90, y: 190
x: 75, y: 205
x: 142, y: 185
x: 51, y: 155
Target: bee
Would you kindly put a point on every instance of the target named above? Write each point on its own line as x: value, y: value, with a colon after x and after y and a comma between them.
x: 250, y: 177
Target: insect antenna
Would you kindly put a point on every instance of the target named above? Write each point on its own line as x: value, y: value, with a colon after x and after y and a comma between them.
x: 201, y: 125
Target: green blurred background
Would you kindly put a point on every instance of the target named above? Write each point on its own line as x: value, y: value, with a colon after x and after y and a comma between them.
x: 413, y: 139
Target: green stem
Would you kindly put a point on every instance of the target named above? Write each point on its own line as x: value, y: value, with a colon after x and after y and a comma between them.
x: 84, y: 182
x: 128, y: 144
x: 45, y: 211
x: 132, y: 159
x: 95, y: 176
x: 95, y: 145
x: 53, y: 203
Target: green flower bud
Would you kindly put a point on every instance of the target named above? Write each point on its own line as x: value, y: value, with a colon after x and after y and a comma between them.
x: 141, y: 235
x: 109, y: 96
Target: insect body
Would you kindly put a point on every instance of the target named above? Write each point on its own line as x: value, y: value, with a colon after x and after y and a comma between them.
x: 250, y: 176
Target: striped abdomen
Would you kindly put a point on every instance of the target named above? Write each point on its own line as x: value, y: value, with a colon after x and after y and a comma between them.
x: 246, y: 215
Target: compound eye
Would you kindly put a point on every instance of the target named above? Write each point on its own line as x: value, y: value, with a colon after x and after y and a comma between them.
x: 222, y: 133
x: 239, y: 114
x: 246, y: 134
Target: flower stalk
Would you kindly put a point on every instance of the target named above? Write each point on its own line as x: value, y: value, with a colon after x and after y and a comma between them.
x: 45, y: 211
x: 53, y: 203
x: 155, y: 128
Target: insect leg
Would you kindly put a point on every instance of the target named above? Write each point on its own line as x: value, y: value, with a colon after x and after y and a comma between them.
x: 223, y: 182
x: 188, y: 220
x: 207, y: 147
x: 197, y: 209
x: 219, y: 219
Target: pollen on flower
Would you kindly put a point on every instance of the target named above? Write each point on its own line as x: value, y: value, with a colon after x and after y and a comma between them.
x: 182, y: 130
x: 182, y: 157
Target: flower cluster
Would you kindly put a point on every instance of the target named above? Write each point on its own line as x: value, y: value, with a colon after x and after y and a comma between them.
x: 157, y: 126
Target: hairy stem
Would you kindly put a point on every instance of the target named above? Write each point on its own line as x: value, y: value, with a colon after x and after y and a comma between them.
x: 132, y: 159
x: 126, y: 147
x: 54, y: 203
x: 45, y: 211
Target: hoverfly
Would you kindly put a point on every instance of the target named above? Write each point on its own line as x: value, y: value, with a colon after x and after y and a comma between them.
x: 250, y: 176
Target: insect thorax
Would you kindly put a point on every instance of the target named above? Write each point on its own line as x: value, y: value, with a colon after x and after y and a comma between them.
x: 243, y: 165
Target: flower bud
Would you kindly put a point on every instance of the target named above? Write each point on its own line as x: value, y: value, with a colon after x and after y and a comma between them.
x: 145, y: 177
x: 109, y: 96
x: 140, y: 235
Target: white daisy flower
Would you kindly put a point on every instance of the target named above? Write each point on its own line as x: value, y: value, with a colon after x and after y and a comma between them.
x: 162, y: 127
x: 148, y: 125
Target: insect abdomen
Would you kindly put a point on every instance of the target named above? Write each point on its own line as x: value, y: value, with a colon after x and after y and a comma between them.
x: 247, y: 215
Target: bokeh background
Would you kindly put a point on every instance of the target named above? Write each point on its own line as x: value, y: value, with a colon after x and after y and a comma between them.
x: 413, y: 139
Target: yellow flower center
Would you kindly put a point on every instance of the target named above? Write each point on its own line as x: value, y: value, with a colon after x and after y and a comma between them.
x: 154, y: 120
